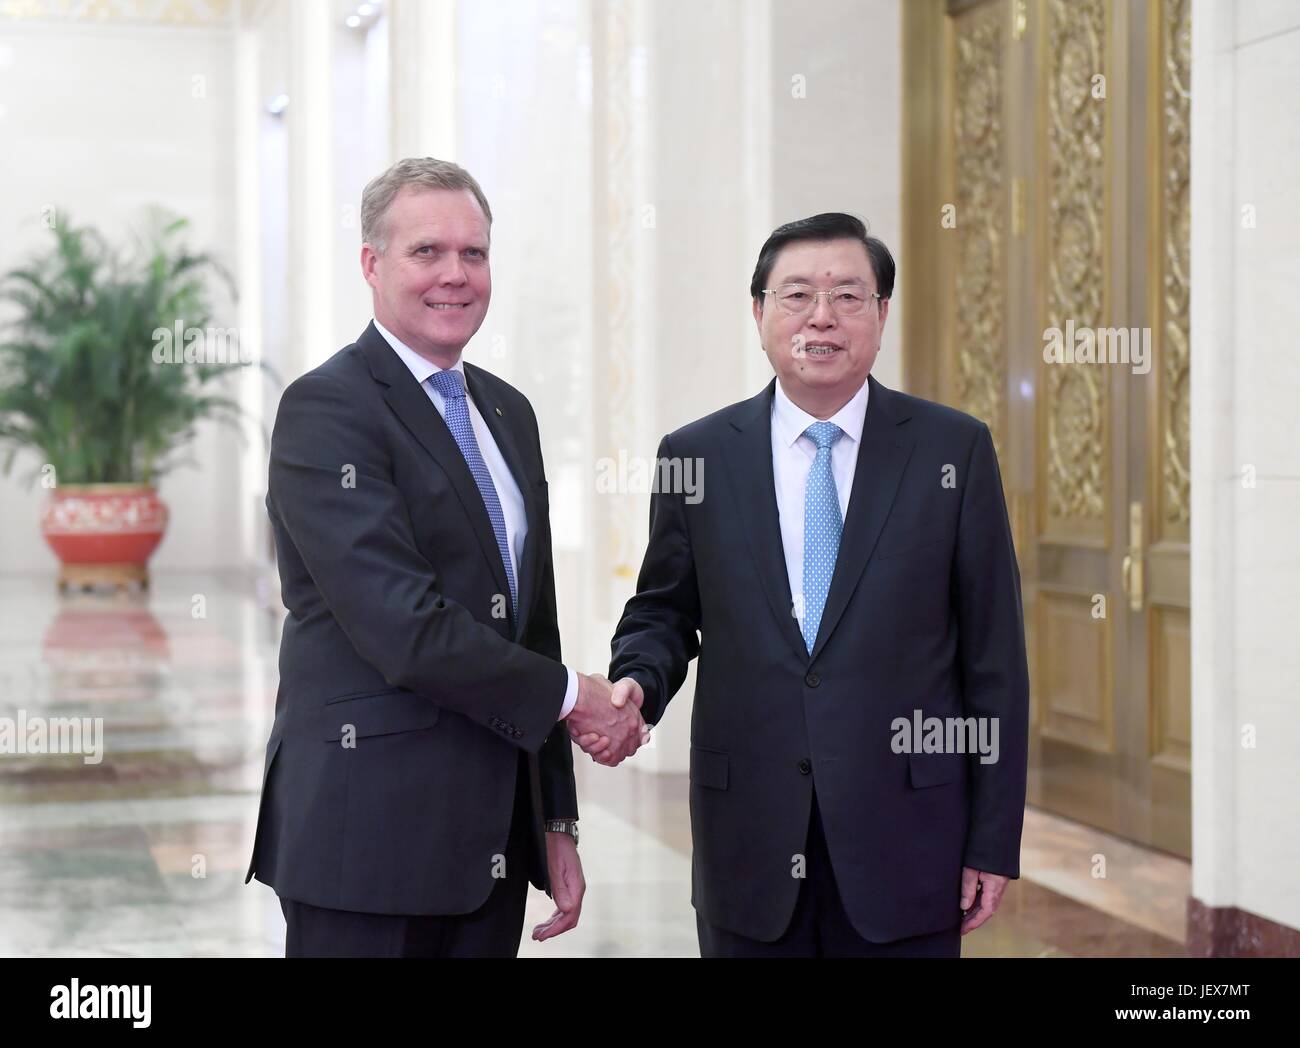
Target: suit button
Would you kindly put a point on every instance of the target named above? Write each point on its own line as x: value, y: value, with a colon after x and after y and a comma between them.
x: 805, y: 767
x: 812, y: 680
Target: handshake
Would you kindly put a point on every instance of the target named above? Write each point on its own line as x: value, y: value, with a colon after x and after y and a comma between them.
x: 606, y: 720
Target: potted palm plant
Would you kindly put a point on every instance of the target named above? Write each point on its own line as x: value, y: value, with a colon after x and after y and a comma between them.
x: 93, y: 382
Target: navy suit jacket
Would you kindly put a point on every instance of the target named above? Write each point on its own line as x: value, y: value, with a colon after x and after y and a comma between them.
x: 923, y: 613
x: 410, y: 696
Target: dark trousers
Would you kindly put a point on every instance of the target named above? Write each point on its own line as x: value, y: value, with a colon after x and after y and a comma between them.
x: 820, y: 927
x: 493, y: 930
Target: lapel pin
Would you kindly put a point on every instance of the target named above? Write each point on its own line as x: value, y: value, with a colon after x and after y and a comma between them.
x: 499, y: 412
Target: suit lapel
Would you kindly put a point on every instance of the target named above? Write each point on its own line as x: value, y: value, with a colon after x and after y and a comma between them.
x: 412, y: 405
x: 501, y: 426
x: 882, y: 457
x: 749, y: 467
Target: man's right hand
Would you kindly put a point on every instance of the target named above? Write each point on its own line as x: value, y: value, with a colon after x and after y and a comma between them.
x: 607, y: 727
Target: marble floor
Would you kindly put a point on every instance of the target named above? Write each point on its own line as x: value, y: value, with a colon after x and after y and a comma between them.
x: 143, y: 852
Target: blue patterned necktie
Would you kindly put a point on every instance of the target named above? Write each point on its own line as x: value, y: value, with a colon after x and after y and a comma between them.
x: 456, y: 414
x: 822, y: 525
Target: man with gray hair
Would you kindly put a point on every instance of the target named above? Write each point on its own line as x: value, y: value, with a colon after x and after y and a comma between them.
x: 417, y: 775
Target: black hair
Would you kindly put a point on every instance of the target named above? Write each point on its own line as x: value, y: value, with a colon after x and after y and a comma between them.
x: 833, y: 225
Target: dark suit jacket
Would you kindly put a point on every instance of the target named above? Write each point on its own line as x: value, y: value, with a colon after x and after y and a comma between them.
x: 923, y: 613
x: 391, y: 574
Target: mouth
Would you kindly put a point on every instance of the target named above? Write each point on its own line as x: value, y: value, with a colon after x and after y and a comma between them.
x: 821, y: 349
x: 445, y: 306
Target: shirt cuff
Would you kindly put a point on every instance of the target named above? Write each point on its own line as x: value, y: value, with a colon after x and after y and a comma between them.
x: 570, y: 695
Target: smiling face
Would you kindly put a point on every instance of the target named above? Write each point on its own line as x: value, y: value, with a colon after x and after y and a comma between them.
x: 820, y: 359
x: 432, y: 283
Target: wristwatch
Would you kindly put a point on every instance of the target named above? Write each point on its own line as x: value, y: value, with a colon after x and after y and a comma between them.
x: 569, y: 826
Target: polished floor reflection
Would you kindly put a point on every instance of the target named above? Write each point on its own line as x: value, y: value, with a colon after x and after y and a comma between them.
x: 144, y: 852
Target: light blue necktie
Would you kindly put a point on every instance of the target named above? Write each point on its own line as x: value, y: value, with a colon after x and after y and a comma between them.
x: 822, y: 525
x: 456, y: 414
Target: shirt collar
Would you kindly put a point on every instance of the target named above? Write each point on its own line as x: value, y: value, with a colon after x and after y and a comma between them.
x: 416, y: 364
x: 789, y: 420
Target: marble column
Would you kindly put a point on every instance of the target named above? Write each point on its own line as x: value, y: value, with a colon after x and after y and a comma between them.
x: 424, y: 90
x: 311, y: 201
x: 1245, y: 481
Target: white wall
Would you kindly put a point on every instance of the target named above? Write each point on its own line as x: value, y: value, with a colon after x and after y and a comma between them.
x: 839, y: 147
x: 101, y: 121
x: 1245, y: 394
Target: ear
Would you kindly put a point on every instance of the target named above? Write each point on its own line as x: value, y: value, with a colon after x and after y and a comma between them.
x: 884, y: 312
x: 757, y: 308
x: 369, y: 259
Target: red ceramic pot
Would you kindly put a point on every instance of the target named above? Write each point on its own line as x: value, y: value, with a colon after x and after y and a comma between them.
x: 104, y: 532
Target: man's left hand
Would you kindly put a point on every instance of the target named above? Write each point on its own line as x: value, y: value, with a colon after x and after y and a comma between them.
x: 567, y: 886
x: 990, y: 888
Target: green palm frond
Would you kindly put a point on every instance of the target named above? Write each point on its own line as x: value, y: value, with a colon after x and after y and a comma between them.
x: 79, y: 384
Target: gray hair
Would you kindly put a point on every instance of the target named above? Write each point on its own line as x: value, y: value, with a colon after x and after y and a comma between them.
x: 417, y: 172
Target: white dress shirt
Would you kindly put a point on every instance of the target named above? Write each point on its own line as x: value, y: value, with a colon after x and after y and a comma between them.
x: 792, y: 459
x: 512, y: 501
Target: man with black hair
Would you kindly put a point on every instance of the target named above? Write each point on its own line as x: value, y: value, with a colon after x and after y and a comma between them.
x: 848, y: 574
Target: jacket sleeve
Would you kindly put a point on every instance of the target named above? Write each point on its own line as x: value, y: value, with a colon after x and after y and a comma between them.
x: 331, y: 485
x: 559, y: 788
x: 991, y: 652
x: 658, y: 634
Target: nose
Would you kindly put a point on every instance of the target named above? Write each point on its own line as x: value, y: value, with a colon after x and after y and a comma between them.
x: 453, y: 274
x: 822, y: 316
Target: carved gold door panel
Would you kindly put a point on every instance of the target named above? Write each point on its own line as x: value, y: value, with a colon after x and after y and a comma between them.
x: 1044, y: 266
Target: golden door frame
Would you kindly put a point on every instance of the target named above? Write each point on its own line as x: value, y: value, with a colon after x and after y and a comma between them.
x: 1027, y: 200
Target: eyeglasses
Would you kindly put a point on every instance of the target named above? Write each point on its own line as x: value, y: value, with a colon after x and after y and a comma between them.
x: 801, y: 299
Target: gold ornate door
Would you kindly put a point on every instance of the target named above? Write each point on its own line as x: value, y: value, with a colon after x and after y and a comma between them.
x: 1044, y: 269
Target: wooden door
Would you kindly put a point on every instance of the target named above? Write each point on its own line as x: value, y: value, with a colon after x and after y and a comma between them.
x: 1046, y: 206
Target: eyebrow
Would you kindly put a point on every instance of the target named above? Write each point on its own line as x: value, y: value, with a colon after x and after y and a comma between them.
x: 440, y: 246
x: 839, y: 281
